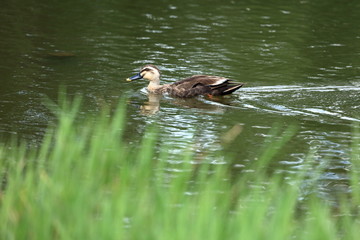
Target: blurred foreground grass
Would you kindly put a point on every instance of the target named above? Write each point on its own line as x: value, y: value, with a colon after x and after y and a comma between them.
x: 84, y: 182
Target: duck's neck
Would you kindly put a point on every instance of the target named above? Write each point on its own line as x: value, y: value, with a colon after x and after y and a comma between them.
x: 153, y: 86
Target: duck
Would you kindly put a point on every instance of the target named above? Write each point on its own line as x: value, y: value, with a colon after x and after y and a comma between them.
x: 193, y: 86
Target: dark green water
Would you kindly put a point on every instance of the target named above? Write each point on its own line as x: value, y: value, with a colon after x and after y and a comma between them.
x: 300, y: 60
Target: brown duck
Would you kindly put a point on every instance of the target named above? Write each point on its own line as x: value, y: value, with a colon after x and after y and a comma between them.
x: 189, y: 87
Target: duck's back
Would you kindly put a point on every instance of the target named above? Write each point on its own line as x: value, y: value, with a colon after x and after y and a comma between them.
x: 199, y: 79
x: 201, y: 85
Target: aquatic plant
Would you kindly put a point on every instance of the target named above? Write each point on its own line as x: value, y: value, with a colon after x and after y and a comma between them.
x: 85, y: 182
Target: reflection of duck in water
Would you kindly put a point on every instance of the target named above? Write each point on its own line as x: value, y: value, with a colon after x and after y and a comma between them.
x: 152, y: 106
x: 189, y: 87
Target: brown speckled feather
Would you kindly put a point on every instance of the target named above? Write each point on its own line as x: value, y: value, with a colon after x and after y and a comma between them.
x: 201, y: 85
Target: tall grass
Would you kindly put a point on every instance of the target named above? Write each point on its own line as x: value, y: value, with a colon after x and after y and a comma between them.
x: 84, y: 182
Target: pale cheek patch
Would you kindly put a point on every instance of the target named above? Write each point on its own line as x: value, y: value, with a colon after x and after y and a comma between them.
x: 148, y: 75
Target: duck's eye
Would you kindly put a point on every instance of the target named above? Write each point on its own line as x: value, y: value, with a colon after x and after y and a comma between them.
x: 147, y: 72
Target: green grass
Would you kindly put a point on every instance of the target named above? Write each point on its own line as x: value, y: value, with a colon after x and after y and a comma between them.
x: 84, y: 182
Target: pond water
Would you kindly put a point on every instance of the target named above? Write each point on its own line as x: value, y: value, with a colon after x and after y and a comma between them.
x: 299, y: 59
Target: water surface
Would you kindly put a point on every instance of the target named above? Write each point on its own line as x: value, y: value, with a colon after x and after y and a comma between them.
x: 299, y: 60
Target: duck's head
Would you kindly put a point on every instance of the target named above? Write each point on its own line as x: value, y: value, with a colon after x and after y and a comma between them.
x: 149, y: 72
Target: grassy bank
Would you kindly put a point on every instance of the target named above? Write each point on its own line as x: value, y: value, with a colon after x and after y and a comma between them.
x: 86, y: 183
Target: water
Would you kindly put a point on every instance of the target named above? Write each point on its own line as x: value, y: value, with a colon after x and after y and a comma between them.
x: 299, y: 59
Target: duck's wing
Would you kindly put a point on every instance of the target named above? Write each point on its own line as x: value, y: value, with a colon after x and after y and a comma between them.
x: 204, y: 84
x: 200, y: 79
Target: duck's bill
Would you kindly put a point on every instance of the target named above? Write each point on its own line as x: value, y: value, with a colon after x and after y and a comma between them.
x: 137, y: 76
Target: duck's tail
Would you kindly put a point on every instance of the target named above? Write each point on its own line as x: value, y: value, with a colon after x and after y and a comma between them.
x: 232, y: 88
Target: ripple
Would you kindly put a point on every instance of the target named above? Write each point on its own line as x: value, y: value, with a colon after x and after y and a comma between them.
x: 299, y: 101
